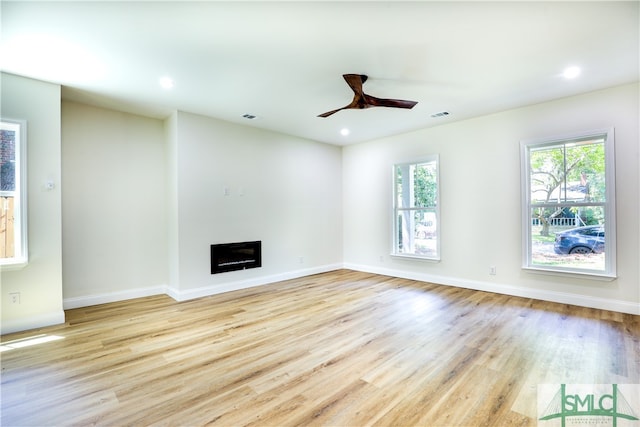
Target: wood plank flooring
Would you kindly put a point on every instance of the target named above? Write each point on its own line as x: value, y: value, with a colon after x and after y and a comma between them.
x: 337, y: 349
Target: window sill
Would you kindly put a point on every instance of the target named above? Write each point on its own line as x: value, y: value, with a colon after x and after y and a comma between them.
x: 417, y: 257
x: 13, y: 264
x: 604, y: 277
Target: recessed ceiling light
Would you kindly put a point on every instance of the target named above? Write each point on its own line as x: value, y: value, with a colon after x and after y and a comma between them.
x: 166, y: 82
x: 571, y: 72
x: 344, y: 132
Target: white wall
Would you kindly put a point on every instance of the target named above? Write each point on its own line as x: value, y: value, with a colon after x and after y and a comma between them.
x: 171, y: 168
x: 144, y: 199
x: 114, y: 204
x: 282, y: 190
x: 480, y: 199
x: 40, y: 282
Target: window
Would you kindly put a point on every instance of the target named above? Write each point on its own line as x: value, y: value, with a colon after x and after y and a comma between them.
x: 568, y: 197
x: 416, y: 213
x: 13, y: 219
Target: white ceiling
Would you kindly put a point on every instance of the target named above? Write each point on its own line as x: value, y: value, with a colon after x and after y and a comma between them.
x: 283, y: 61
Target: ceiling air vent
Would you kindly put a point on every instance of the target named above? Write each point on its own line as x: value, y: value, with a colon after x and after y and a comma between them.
x: 249, y: 116
x: 440, y: 114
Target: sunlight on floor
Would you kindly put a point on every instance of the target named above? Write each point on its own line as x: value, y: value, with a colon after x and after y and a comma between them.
x: 27, y: 342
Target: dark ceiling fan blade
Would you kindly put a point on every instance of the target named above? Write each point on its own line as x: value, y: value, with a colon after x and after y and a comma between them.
x: 328, y: 113
x: 355, y: 82
x: 394, y: 103
x: 358, y: 102
x: 361, y: 100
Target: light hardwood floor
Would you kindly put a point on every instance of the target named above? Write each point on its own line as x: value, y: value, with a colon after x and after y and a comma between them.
x: 342, y: 348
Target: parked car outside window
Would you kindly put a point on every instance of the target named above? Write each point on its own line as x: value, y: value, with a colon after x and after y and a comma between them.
x: 581, y: 240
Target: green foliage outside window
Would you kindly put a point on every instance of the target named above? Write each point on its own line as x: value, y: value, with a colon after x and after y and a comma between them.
x: 565, y: 173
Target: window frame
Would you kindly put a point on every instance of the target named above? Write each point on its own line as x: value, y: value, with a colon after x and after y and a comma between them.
x: 21, y: 250
x: 608, y: 205
x: 436, y: 209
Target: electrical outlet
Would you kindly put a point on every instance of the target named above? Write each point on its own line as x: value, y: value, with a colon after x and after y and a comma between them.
x: 301, y: 260
x: 14, y: 297
x: 492, y: 270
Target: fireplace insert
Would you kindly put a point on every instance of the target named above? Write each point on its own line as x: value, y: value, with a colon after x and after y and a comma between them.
x: 235, y: 256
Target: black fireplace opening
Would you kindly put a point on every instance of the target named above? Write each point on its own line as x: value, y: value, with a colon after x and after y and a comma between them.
x: 235, y: 256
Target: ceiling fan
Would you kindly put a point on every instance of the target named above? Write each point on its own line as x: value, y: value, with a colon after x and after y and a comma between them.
x: 362, y: 100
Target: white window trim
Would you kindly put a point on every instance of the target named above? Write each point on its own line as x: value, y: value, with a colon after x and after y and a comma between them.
x: 609, y: 272
x: 21, y: 258
x: 394, y: 231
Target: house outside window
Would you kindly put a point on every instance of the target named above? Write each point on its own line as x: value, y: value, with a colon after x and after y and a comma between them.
x: 416, y: 210
x: 568, y: 204
x: 13, y: 219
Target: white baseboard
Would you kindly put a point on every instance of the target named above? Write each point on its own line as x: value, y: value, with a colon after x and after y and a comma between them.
x: 184, y: 295
x: 89, y: 300
x: 539, y: 294
x: 32, y: 322
x: 205, y: 291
